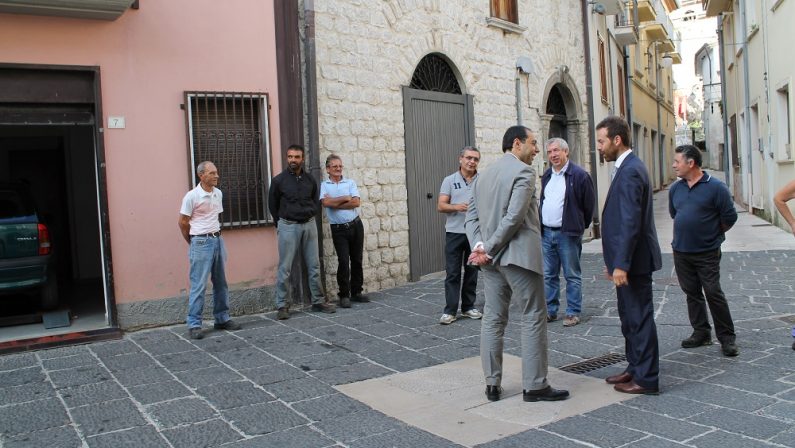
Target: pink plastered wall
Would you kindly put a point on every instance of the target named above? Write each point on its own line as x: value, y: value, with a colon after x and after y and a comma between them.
x: 148, y: 58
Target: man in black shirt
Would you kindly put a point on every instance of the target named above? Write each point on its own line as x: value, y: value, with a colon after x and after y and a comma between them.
x: 293, y: 202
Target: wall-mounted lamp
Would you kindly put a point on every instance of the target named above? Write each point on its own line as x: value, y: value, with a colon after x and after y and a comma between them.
x: 524, y: 65
x: 666, y: 61
x: 598, y: 8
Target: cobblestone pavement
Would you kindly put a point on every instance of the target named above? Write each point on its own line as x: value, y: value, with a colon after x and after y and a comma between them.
x: 270, y: 384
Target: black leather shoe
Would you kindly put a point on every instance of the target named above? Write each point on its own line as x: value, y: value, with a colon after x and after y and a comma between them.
x: 229, y: 325
x: 283, y: 314
x: 697, y: 340
x: 345, y: 302
x: 361, y: 298
x: 324, y: 308
x: 493, y: 392
x: 545, y: 394
x: 729, y: 349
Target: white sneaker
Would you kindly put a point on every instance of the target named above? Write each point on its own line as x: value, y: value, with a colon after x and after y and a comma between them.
x: 473, y: 314
x: 447, y: 319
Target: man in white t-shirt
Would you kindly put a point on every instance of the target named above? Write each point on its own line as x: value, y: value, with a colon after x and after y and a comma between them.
x: 199, y: 224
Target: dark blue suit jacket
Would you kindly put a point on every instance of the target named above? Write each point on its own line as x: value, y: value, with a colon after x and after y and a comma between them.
x: 629, y: 237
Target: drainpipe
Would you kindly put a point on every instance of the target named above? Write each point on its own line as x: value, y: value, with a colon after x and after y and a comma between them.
x: 727, y: 163
x: 586, y: 38
x: 659, y: 115
x: 519, y: 117
x: 747, y: 107
x: 313, y: 149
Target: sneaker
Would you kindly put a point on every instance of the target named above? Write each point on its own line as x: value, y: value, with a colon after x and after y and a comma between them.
x: 361, y: 298
x: 283, y: 314
x: 571, y: 320
x: 345, y: 302
x: 697, y: 340
x: 552, y: 317
x: 447, y: 319
x: 729, y: 349
x: 472, y: 314
x: 196, y: 333
x: 324, y: 308
x: 229, y: 325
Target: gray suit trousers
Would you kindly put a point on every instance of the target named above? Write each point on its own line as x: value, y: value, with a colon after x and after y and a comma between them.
x: 504, y: 284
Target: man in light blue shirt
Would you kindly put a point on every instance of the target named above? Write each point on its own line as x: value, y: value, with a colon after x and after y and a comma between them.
x: 340, y: 197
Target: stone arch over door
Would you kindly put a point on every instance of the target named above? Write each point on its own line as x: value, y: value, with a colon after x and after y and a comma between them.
x: 438, y: 121
x: 562, y: 115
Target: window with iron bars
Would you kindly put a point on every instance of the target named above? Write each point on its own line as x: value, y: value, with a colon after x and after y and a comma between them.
x: 231, y: 129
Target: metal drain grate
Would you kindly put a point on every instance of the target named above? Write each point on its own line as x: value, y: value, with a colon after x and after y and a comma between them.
x: 592, y: 364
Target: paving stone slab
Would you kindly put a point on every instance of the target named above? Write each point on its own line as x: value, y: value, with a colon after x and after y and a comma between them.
x: 744, y: 423
x: 385, y: 329
x: 210, y: 375
x: 208, y: 434
x: 109, y: 416
x: 403, y: 360
x: 596, y: 432
x: 786, y: 438
x: 180, y: 362
x: 405, y: 437
x: 32, y: 416
x: 139, y: 437
x: 113, y: 348
x: 287, y: 350
x: 18, y: 361
x: 246, y: 357
x: 68, y: 362
x: 181, y: 411
x: 80, y: 375
x: 417, y: 340
x: 721, y: 396
x: 300, y: 437
x: 92, y: 393
x: 61, y: 437
x: 169, y: 346
x: 219, y: 341
x: 137, y: 377
x: 129, y: 361
x: 367, y: 346
x: 532, y: 438
x: 451, y: 352
x: 26, y: 392
x: 156, y: 392
x: 62, y: 351
x: 264, y: 418
x: 330, y: 407
x: 273, y: 373
x: 26, y: 375
x: 350, y: 373
x: 761, y: 383
x: 328, y: 360
x: 649, y: 422
x: 233, y: 395
x: 722, y: 439
x: 359, y: 425
x: 669, y: 405
x: 334, y: 333
x: 784, y: 411
x: 299, y: 389
x: 687, y: 371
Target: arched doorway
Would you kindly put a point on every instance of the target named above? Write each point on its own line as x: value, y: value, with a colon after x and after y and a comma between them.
x: 439, y: 121
x: 563, y: 115
x: 556, y: 110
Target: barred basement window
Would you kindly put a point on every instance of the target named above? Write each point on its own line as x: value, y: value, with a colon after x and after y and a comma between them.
x: 231, y: 129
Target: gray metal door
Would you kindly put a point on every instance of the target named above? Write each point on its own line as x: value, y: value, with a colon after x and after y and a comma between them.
x: 438, y: 125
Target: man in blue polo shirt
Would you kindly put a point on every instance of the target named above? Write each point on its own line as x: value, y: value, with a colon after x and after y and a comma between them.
x: 340, y: 198
x: 703, y: 210
x: 454, y: 196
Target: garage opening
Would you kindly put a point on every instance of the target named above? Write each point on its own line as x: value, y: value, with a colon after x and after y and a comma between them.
x: 53, y: 266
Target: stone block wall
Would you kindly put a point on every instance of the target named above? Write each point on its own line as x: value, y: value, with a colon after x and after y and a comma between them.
x: 367, y: 50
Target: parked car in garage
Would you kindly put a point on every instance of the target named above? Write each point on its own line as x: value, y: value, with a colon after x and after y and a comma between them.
x: 26, y: 253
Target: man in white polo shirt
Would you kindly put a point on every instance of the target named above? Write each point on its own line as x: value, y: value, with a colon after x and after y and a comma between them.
x: 454, y: 195
x: 340, y: 197
x: 199, y: 224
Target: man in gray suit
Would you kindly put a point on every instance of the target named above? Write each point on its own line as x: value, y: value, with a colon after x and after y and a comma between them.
x: 502, y: 222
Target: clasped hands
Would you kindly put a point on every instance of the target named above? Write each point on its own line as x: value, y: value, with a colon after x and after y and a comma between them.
x: 478, y: 257
x: 618, y: 277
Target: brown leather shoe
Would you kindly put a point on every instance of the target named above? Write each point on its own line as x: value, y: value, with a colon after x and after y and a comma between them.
x: 633, y: 388
x: 618, y: 379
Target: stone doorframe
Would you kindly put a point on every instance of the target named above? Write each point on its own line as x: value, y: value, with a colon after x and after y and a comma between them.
x: 576, y: 122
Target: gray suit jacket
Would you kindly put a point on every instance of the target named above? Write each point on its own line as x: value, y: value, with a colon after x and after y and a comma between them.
x: 503, y: 214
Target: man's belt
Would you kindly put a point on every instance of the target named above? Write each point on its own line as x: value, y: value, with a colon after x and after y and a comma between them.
x: 296, y: 221
x: 207, y: 235
x: 346, y: 225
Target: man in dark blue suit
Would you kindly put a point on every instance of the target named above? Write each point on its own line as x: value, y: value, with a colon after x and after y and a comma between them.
x: 631, y: 253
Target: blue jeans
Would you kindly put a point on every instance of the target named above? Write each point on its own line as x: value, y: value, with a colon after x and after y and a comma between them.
x: 207, y: 257
x: 292, y: 238
x: 562, y: 250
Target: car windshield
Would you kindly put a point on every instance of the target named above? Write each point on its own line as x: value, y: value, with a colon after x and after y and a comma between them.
x: 12, y: 205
